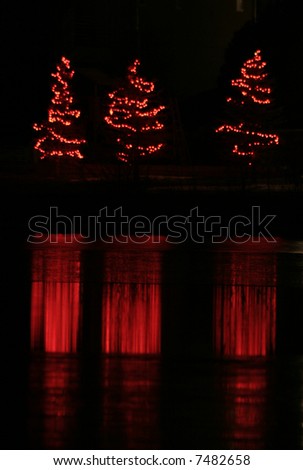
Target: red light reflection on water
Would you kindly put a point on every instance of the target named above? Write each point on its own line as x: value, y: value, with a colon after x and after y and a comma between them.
x: 246, y: 405
x: 131, y: 308
x: 53, y: 402
x: 131, y: 413
x: 55, y: 300
x: 245, y: 308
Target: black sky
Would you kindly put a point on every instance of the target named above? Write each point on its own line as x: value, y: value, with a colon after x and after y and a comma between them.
x: 192, y: 47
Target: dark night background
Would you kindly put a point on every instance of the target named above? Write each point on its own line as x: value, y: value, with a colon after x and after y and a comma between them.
x: 192, y: 48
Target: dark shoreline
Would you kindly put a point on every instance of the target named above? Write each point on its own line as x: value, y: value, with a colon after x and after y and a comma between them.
x: 23, y: 200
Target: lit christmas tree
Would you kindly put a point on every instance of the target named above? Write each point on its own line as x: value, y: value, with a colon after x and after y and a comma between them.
x: 134, y: 116
x: 250, y: 109
x: 58, y: 135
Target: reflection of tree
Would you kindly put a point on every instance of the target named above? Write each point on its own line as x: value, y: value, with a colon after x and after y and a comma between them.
x: 55, y: 300
x: 245, y: 404
x: 245, y: 309
x: 54, y: 402
x: 131, y: 309
x: 131, y: 413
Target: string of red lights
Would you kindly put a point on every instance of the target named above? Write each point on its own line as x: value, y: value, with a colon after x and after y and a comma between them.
x: 131, y: 112
x: 254, y: 92
x: 57, y: 136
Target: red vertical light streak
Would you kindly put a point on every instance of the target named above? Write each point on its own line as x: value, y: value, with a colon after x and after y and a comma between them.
x: 55, y: 306
x: 131, y: 308
x: 245, y: 309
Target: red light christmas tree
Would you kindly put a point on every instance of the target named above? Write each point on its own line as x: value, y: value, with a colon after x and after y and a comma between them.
x: 133, y: 114
x: 58, y: 136
x: 248, y: 110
